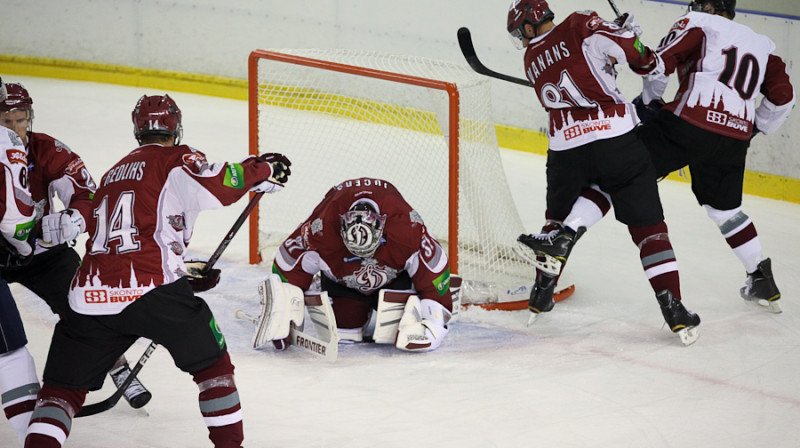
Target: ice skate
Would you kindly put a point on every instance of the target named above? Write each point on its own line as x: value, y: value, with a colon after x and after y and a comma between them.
x: 548, y: 251
x: 680, y: 320
x: 136, y: 394
x: 541, y: 299
x: 760, y: 288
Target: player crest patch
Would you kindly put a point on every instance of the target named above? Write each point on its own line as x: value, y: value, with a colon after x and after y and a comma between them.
x: 17, y: 156
x: 680, y: 25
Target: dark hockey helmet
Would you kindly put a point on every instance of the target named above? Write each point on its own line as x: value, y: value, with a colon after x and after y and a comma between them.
x: 157, y: 115
x: 362, y: 228
x: 719, y: 6
x: 521, y: 12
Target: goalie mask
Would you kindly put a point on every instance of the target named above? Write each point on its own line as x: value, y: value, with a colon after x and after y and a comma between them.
x: 718, y: 6
x: 362, y: 228
x: 157, y: 115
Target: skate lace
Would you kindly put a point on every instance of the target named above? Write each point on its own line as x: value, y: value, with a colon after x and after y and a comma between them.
x: 549, y: 236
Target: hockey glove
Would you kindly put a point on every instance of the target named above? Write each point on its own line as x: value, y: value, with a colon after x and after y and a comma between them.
x: 626, y: 22
x: 198, y: 279
x: 280, y: 173
x: 647, y: 112
x: 61, y: 227
x: 423, y: 325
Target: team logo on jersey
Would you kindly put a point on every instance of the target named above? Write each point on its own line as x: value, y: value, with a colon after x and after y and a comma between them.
x: 17, y: 156
x: 594, y: 24
x: 74, y: 167
x: 195, y: 159
x: 370, y: 276
x: 680, y: 25
x: 176, y: 248
x: 415, y: 217
x: 176, y: 222
x: 60, y: 146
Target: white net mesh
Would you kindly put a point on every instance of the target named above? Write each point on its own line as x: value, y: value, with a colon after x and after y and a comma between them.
x: 336, y: 126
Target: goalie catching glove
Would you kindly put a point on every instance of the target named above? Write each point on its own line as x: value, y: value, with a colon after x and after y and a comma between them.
x: 199, y: 279
x: 61, y: 227
x: 280, y: 173
x: 282, y: 305
x: 423, y: 325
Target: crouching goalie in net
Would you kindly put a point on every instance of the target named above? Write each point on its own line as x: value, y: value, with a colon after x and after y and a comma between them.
x: 373, y: 254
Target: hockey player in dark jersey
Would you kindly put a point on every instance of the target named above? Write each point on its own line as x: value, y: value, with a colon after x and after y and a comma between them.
x: 133, y: 281
x: 722, y: 66
x: 363, y: 238
x: 54, y: 171
x: 592, y: 140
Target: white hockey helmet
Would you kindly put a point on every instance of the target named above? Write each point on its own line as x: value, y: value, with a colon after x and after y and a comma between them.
x: 362, y: 228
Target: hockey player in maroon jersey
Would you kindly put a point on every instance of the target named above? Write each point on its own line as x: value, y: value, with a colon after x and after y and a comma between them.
x: 364, y: 237
x: 592, y: 140
x: 55, y: 171
x: 133, y: 281
x: 18, y: 380
x: 722, y: 66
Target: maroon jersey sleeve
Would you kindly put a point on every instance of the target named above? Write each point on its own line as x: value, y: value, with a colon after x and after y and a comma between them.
x: 776, y: 87
x: 57, y: 170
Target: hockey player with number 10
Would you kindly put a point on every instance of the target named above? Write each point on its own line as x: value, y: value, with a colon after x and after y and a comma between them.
x: 363, y: 238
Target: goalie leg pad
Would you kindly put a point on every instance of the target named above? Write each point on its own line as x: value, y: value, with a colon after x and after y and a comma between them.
x: 391, y: 306
x: 321, y: 314
x: 423, y: 325
x: 281, y: 306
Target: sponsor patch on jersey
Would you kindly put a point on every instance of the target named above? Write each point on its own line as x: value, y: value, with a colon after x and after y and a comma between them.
x: 586, y: 127
x: 217, y: 333
x: 122, y: 295
x: 234, y: 176
x: 680, y: 25
x: 442, y: 282
x: 17, y: 156
x: 639, y: 46
x: 23, y: 230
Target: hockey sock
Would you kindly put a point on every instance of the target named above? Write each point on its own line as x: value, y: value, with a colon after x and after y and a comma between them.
x: 19, y: 387
x: 51, y: 421
x: 219, y: 403
x: 658, y: 258
x: 588, y: 209
x: 740, y: 234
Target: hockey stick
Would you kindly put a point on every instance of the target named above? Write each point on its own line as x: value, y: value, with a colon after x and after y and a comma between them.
x: 614, y: 7
x: 110, y: 402
x: 315, y: 346
x: 468, y: 50
x: 212, y: 260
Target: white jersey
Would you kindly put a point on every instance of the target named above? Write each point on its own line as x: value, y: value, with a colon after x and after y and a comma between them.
x: 16, y: 205
x: 722, y: 67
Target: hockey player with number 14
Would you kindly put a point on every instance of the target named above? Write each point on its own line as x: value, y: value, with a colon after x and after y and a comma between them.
x: 363, y: 238
x: 133, y: 281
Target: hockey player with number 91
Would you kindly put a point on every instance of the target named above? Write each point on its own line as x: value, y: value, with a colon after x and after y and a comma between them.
x: 363, y: 240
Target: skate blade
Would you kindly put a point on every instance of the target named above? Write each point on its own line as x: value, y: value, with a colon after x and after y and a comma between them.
x: 772, y: 307
x: 551, y: 265
x: 688, y: 335
x: 533, y: 317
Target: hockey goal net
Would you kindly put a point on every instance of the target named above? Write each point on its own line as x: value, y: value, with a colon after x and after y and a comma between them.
x: 422, y: 124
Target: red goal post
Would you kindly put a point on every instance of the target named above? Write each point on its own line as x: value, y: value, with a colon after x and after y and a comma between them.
x: 422, y: 124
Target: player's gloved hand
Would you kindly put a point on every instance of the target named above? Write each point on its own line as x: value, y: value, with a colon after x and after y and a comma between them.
x: 647, y: 112
x: 281, y: 171
x: 423, y: 325
x: 200, y: 280
x: 626, y: 22
x: 61, y: 227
